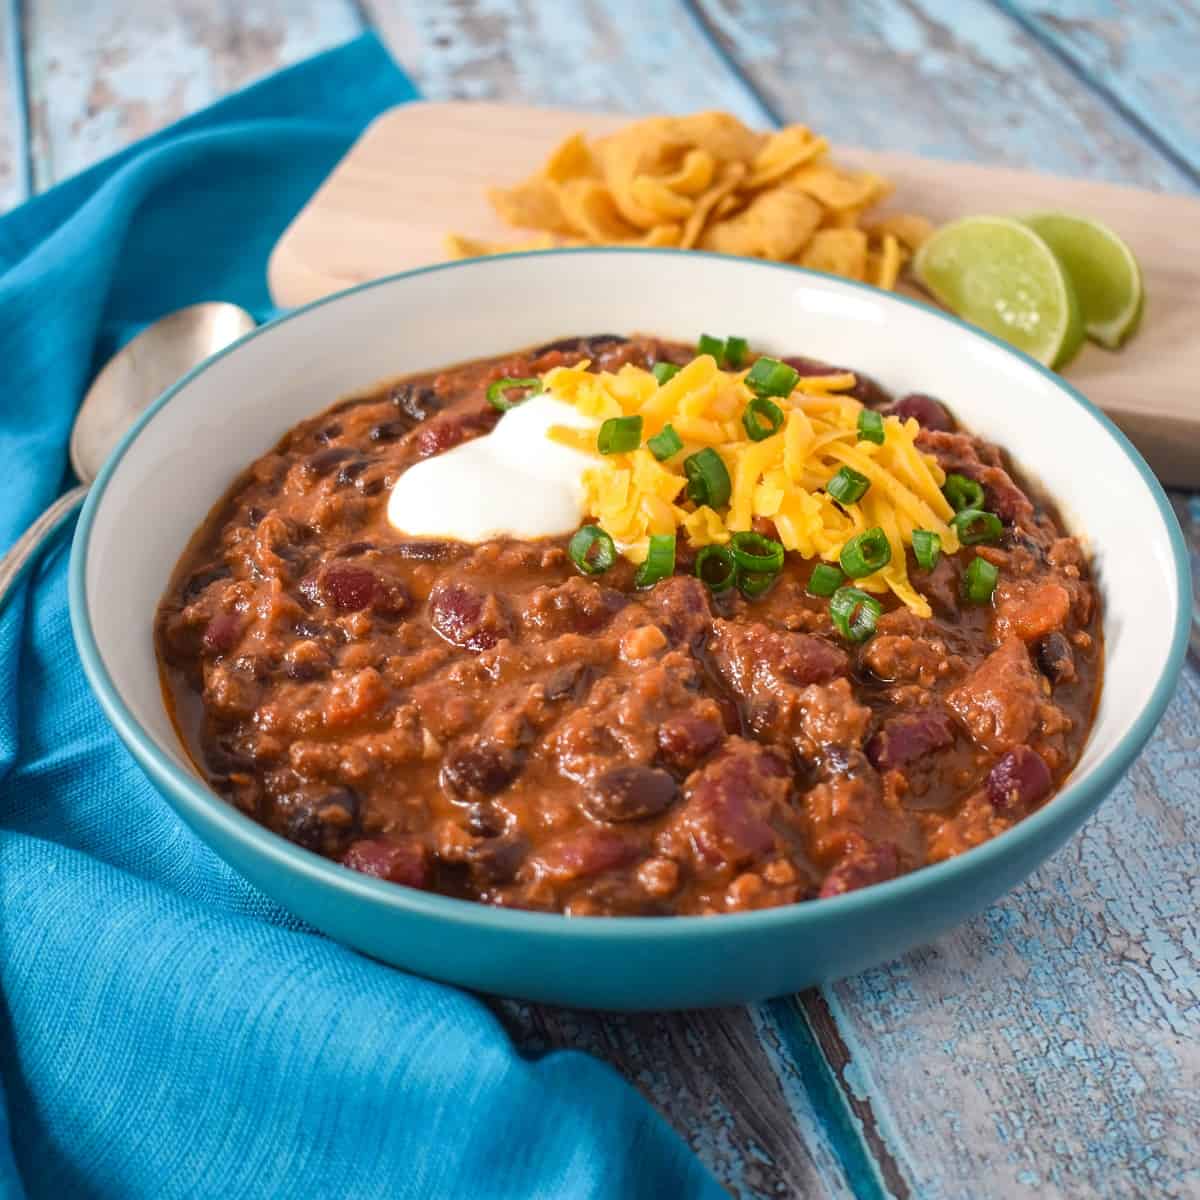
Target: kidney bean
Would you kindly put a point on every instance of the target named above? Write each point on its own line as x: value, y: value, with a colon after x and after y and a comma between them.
x: 467, y: 617
x: 588, y: 852
x: 1056, y: 659
x: 479, y: 769
x: 405, y: 861
x: 686, y: 739
x: 629, y: 792
x: 1018, y: 781
x: 222, y: 633
x: 925, y: 410
x: 909, y: 736
x: 873, y: 865
x: 449, y: 431
x: 349, y: 589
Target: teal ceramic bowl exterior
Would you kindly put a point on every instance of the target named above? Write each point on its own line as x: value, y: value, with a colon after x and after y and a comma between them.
x: 175, y: 463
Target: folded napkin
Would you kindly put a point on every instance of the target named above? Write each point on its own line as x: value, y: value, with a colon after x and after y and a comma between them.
x: 164, y: 1029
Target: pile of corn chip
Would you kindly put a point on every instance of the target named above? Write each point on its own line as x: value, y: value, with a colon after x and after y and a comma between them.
x: 707, y: 182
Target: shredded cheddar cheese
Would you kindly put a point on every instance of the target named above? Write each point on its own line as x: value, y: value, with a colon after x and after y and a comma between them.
x: 780, y: 478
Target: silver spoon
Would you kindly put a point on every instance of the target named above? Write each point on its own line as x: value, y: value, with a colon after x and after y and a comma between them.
x: 129, y: 383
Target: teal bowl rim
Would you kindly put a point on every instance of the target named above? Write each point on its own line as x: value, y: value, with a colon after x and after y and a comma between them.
x: 193, y: 795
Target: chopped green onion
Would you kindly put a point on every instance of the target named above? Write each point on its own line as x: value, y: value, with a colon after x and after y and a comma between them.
x: 757, y: 554
x: 618, y: 435
x: 870, y: 426
x: 752, y: 584
x: 824, y: 580
x: 848, y: 486
x: 762, y: 418
x: 711, y: 345
x: 736, y: 349
x: 770, y: 377
x: 854, y: 613
x: 592, y: 550
x: 708, y: 480
x: 980, y: 581
x: 497, y: 392
x: 974, y: 526
x: 662, y: 371
x: 927, y: 548
x: 962, y: 492
x: 663, y: 445
x: 866, y: 553
x: 715, y: 568
x: 660, y: 560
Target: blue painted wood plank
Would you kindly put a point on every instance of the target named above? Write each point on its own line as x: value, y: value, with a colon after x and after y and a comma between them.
x: 103, y: 75
x: 14, y: 139
x: 1140, y: 55
x: 954, y: 79
x: 640, y: 57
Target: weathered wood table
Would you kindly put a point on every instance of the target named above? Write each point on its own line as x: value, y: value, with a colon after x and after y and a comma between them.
x: 1050, y: 1047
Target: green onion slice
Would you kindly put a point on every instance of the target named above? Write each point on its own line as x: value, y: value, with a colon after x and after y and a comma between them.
x: 664, y: 445
x: 980, y: 581
x: 662, y: 371
x: 870, y: 426
x: 736, y: 349
x: 848, y: 486
x: 762, y: 418
x: 974, y: 526
x: 592, y: 550
x: 927, y: 548
x: 660, y: 561
x: 618, y: 435
x: 716, y: 569
x: 708, y: 480
x: 757, y: 554
x: 866, y: 553
x: 497, y: 393
x: 854, y: 613
x: 770, y: 377
x: 824, y: 580
x: 712, y: 345
x: 752, y: 584
x: 962, y: 492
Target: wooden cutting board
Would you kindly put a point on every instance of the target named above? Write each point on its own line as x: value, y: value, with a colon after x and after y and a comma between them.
x: 422, y: 170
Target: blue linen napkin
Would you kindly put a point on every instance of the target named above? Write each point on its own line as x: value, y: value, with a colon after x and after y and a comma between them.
x: 165, y: 1030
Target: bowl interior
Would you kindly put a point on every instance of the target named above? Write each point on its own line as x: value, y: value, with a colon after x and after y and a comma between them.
x: 189, y: 448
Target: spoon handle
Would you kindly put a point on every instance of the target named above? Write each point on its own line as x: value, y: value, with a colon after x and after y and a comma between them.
x: 25, y: 548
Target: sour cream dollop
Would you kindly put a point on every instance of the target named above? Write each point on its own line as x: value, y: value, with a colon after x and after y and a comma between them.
x: 513, y: 482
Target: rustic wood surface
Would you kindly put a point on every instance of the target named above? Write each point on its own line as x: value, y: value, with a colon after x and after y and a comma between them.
x: 1049, y: 1047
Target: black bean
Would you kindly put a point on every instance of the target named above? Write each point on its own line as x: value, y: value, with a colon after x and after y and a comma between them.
x: 324, y: 461
x: 484, y: 821
x: 330, y: 432
x: 629, y: 793
x: 1055, y: 658
x: 202, y: 578
x: 388, y: 431
x: 482, y: 769
x: 369, y: 487
x: 350, y: 471
x: 417, y: 401
x: 254, y: 514
x: 584, y: 345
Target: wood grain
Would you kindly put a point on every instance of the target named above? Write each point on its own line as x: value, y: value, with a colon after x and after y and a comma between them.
x: 937, y: 77
x: 14, y: 180
x: 424, y: 169
x: 1138, y: 54
x: 102, y: 75
x: 743, y: 1109
x: 648, y: 57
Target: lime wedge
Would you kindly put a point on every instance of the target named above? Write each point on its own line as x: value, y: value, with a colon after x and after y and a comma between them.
x: 1105, y: 275
x: 999, y: 274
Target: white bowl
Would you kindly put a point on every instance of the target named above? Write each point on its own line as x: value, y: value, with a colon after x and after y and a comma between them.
x: 185, y: 452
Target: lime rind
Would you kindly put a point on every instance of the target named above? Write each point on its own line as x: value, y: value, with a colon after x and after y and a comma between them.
x: 1000, y: 274
x: 1104, y: 272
